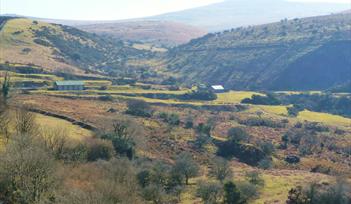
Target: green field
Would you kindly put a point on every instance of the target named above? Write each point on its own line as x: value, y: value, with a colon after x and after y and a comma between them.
x: 75, y: 132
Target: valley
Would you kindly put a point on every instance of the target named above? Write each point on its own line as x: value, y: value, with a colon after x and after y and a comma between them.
x: 95, y: 117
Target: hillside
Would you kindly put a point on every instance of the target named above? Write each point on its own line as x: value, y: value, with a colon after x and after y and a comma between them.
x: 159, y: 33
x: 61, y: 48
x: 234, y: 13
x: 300, y: 54
x: 155, y: 32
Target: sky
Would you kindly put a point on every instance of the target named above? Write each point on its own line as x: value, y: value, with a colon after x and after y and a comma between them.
x: 105, y: 9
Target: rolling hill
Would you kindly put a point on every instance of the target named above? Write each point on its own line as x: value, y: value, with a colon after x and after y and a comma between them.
x: 155, y: 32
x: 59, y: 48
x: 301, y: 54
x: 234, y: 13
x: 159, y: 33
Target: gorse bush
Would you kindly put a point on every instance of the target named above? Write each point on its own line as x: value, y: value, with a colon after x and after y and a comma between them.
x: 262, y: 122
x: 205, y: 95
x: 139, y: 108
x: 262, y: 100
x: 238, y: 134
x: 100, y: 149
x: 172, y: 119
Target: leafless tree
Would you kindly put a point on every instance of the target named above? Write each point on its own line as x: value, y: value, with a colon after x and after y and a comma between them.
x: 26, y: 171
x: 55, y: 139
x: 24, y: 121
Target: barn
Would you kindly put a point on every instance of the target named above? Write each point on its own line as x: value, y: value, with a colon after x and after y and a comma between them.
x: 218, y: 88
x: 69, y: 85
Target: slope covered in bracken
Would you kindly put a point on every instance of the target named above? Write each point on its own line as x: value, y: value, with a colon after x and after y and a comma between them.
x: 60, y: 48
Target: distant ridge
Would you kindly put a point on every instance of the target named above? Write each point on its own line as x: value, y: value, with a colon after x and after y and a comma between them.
x: 235, y: 13
x: 156, y: 32
x: 160, y: 33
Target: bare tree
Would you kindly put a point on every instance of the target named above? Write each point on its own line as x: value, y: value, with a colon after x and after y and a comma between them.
x: 26, y: 171
x: 55, y: 139
x: 5, y: 119
x: 4, y: 108
x: 24, y: 121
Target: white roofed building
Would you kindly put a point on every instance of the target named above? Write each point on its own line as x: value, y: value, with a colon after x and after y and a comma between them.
x: 218, y: 88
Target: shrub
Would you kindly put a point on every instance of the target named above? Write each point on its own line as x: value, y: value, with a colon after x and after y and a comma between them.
x: 106, y: 98
x: 246, y: 153
x: 220, y: 169
x: 292, y: 159
x: 267, y: 147
x: 153, y: 193
x: 204, y: 129
x: 186, y: 166
x: 122, y: 140
x: 232, y: 194
x: 144, y: 178
x: 27, y: 171
x: 99, y: 149
x: 262, y: 100
x: 314, y: 126
x: 205, y: 95
x: 139, y: 108
x: 262, y: 122
x: 26, y: 50
x: 255, y: 178
x: 321, y: 169
x: 294, y: 110
x: 172, y: 119
x: 76, y: 154
x: 248, y: 190
x: 201, y: 140
x: 42, y: 42
x: 238, y: 134
x: 210, y: 193
x: 103, y: 88
x: 338, y: 193
x: 189, y: 122
x: 265, y: 163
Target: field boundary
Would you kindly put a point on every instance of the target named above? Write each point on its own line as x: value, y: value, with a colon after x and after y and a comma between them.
x: 63, y: 117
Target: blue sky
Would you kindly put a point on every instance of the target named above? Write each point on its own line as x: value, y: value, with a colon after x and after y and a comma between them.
x: 104, y: 9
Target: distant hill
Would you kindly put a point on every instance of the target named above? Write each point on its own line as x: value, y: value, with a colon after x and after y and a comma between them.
x: 235, y: 13
x: 61, y: 48
x: 300, y: 54
x: 155, y: 32
x: 160, y: 33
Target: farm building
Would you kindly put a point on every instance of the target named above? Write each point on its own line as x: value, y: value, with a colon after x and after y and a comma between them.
x: 217, y: 88
x: 69, y: 85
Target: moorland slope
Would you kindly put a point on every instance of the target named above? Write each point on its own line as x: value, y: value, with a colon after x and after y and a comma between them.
x: 60, y: 48
x: 301, y: 54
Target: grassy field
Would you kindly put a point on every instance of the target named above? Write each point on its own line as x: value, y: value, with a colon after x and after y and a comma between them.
x: 275, y: 110
x: 278, y: 184
x: 148, y: 47
x: 233, y: 97
x: 75, y: 132
x: 325, y: 118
